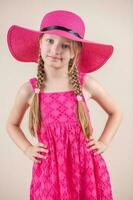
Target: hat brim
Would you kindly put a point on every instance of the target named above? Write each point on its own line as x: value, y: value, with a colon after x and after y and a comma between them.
x: 23, y: 44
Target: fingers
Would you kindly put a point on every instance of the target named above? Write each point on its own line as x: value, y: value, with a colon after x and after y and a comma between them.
x: 41, y: 145
x: 41, y: 150
x: 98, y: 152
x: 33, y: 152
x: 36, y: 160
x: 92, y: 148
x: 36, y: 157
x: 40, y: 156
x: 91, y: 144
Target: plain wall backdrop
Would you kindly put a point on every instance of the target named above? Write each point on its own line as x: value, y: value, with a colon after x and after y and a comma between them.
x: 106, y: 21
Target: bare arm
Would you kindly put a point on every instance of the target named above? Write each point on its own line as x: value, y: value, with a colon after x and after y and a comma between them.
x: 16, y: 115
x: 98, y: 93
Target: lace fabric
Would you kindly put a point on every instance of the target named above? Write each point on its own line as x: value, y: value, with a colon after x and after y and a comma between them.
x: 69, y: 172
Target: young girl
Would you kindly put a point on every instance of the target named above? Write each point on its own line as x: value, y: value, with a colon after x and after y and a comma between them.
x: 68, y: 164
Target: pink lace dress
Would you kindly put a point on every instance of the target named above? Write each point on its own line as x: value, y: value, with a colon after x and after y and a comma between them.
x: 69, y: 172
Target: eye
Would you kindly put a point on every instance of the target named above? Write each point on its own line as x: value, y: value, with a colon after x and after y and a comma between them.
x: 50, y: 41
x: 65, y: 46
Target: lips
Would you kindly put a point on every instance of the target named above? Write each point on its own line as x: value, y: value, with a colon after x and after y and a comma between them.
x: 55, y: 57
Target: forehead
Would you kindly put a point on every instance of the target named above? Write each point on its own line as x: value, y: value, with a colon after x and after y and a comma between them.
x: 56, y: 37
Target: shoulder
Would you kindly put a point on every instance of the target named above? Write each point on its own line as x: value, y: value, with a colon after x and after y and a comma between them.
x: 25, y: 92
x: 101, y: 95
x: 25, y: 89
x: 93, y: 86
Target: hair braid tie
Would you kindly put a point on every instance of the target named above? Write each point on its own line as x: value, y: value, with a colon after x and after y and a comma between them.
x: 37, y: 90
x: 79, y: 98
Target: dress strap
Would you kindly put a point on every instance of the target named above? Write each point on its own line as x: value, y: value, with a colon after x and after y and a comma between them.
x: 32, y: 82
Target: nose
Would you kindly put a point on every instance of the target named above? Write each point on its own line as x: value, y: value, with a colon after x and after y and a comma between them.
x: 56, y: 49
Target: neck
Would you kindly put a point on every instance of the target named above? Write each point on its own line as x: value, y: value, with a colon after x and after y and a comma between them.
x: 56, y: 74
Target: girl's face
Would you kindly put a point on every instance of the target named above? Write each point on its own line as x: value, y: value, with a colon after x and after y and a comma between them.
x: 56, y: 51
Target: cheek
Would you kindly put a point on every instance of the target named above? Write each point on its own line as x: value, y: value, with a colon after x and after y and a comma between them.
x: 67, y: 55
x: 44, y: 51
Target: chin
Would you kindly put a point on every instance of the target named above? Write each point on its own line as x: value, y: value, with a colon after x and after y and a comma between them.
x: 54, y: 65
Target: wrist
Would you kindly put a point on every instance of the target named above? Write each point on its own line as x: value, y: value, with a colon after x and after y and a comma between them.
x: 26, y: 148
x: 106, y: 145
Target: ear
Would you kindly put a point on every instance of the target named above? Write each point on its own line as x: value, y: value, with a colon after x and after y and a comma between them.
x: 40, y: 43
x: 40, y: 40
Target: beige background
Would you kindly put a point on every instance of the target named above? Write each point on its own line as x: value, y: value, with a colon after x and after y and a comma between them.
x: 107, y: 22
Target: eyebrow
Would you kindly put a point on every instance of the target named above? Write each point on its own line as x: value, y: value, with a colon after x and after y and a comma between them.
x: 65, y: 40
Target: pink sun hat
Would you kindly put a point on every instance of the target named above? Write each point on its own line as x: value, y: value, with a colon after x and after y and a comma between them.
x: 23, y: 43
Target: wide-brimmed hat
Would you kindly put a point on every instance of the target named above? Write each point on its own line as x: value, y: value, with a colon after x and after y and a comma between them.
x: 23, y: 43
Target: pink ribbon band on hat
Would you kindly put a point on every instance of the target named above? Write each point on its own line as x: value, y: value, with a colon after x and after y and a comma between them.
x: 61, y: 28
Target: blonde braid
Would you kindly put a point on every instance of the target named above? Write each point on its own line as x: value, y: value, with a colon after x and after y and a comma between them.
x: 34, y: 113
x: 81, y: 110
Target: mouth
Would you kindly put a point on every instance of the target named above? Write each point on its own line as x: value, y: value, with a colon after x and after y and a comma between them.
x: 56, y: 58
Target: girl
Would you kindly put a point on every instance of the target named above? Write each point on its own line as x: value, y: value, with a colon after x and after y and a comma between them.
x: 68, y: 164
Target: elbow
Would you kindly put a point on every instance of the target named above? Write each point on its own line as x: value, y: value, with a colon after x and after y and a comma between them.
x: 118, y: 114
x: 10, y: 128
